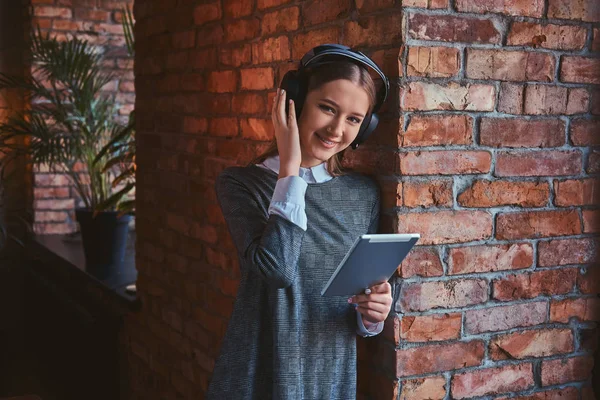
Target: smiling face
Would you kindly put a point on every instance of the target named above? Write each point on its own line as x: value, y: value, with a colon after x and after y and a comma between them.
x: 330, y: 120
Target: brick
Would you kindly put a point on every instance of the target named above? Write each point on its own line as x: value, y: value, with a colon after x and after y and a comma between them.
x: 237, y: 8
x: 221, y: 81
x: 509, y: 65
x: 367, y: 6
x: 545, y: 99
x: 430, y: 4
x: 425, y: 328
x: 262, y: 4
x: 550, y: 36
x: 193, y: 82
x: 242, y: 29
x: 209, y: 35
x: 533, y: 8
x: 435, y: 358
x: 48, y: 193
x: 568, y: 393
x: 567, y: 251
x: 578, y: 101
x: 436, y: 193
x: 538, y: 163
x: 302, y: 43
x: 438, y: 130
x: 489, y: 258
x: 593, y: 162
x: 283, y: 20
x: 207, y: 12
x: 585, y: 132
x: 580, y: 69
x: 50, y: 216
x: 532, y: 343
x: 577, y: 192
x: 516, y: 132
x: 248, y: 103
x: 451, y: 96
x: 452, y: 29
x: 511, y: 98
x: 433, y: 388
x: 257, y: 78
x: 54, y: 204
x: 223, y: 126
x: 68, y: 25
x: 195, y: 125
x: 51, y: 180
x: 596, y: 40
x: 317, y: 12
x: 271, y: 49
x: 588, y: 280
x: 510, y: 378
x: 183, y: 40
x: 447, y: 226
x: 444, y: 162
x: 257, y: 129
x: 555, y: 372
x: 485, y: 193
x: 537, y: 224
x: 447, y: 294
x: 92, y: 15
x: 384, y: 29
x: 585, y: 10
x: 421, y: 261
x: 587, y: 309
x: 591, y: 221
x: 52, y: 12
x: 236, y: 56
x: 534, y: 284
x: 433, y: 62
x: 503, y: 318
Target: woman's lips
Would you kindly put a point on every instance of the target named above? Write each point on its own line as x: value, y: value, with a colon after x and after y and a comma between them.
x: 327, y: 143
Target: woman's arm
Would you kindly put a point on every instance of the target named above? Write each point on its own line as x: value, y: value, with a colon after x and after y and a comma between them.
x: 267, y: 244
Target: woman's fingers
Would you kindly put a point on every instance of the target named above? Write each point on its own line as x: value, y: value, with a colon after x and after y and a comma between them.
x: 281, y: 108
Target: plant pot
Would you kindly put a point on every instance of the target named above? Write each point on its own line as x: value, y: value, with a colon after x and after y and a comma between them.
x: 104, y: 237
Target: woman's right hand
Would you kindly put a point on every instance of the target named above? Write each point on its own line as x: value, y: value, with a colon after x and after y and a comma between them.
x: 287, y: 136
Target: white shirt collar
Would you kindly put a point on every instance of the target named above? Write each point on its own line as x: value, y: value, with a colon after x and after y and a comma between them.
x: 318, y: 172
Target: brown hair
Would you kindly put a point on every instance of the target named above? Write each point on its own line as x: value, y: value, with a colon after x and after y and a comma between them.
x: 318, y: 76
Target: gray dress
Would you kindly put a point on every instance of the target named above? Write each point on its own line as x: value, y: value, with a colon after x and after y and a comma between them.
x: 285, y: 341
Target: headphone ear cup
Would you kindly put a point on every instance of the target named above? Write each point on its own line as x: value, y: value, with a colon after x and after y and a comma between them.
x: 292, y: 82
x: 366, y: 128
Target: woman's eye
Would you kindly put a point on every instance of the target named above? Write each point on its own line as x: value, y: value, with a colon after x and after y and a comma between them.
x: 326, y: 108
x: 354, y: 120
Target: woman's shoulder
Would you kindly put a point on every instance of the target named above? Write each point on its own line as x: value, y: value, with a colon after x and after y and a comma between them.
x: 357, y: 178
x: 250, y: 176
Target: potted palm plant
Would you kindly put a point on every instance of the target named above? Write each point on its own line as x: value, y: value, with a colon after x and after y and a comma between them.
x: 69, y: 125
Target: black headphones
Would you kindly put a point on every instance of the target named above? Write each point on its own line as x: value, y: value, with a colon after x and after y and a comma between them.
x: 295, y: 82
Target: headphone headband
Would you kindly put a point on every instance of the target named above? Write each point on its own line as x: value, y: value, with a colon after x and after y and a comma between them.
x: 315, y: 56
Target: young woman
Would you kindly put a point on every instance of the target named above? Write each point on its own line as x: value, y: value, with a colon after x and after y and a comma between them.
x: 292, y: 216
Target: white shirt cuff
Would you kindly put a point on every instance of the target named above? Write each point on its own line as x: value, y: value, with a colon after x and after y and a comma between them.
x: 363, y: 331
x: 288, y: 200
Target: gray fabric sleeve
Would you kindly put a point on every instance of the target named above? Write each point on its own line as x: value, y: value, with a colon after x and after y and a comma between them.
x: 268, y: 245
x: 375, y: 212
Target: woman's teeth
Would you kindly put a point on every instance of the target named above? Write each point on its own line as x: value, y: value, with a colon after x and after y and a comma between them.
x: 327, y: 142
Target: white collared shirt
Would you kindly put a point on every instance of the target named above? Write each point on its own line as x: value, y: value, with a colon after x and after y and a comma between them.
x: 288, y: 202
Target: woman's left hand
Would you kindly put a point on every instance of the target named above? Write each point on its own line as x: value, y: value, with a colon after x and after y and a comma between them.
x: 374, y: 307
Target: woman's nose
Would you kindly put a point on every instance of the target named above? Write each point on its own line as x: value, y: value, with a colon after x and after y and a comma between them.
x: 336, y: 127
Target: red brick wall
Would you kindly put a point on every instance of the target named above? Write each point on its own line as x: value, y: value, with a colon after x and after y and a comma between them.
x: 486, y: 149
x: 99, y: 22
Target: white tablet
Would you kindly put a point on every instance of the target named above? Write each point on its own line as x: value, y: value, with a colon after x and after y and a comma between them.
x: 372, y: 259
